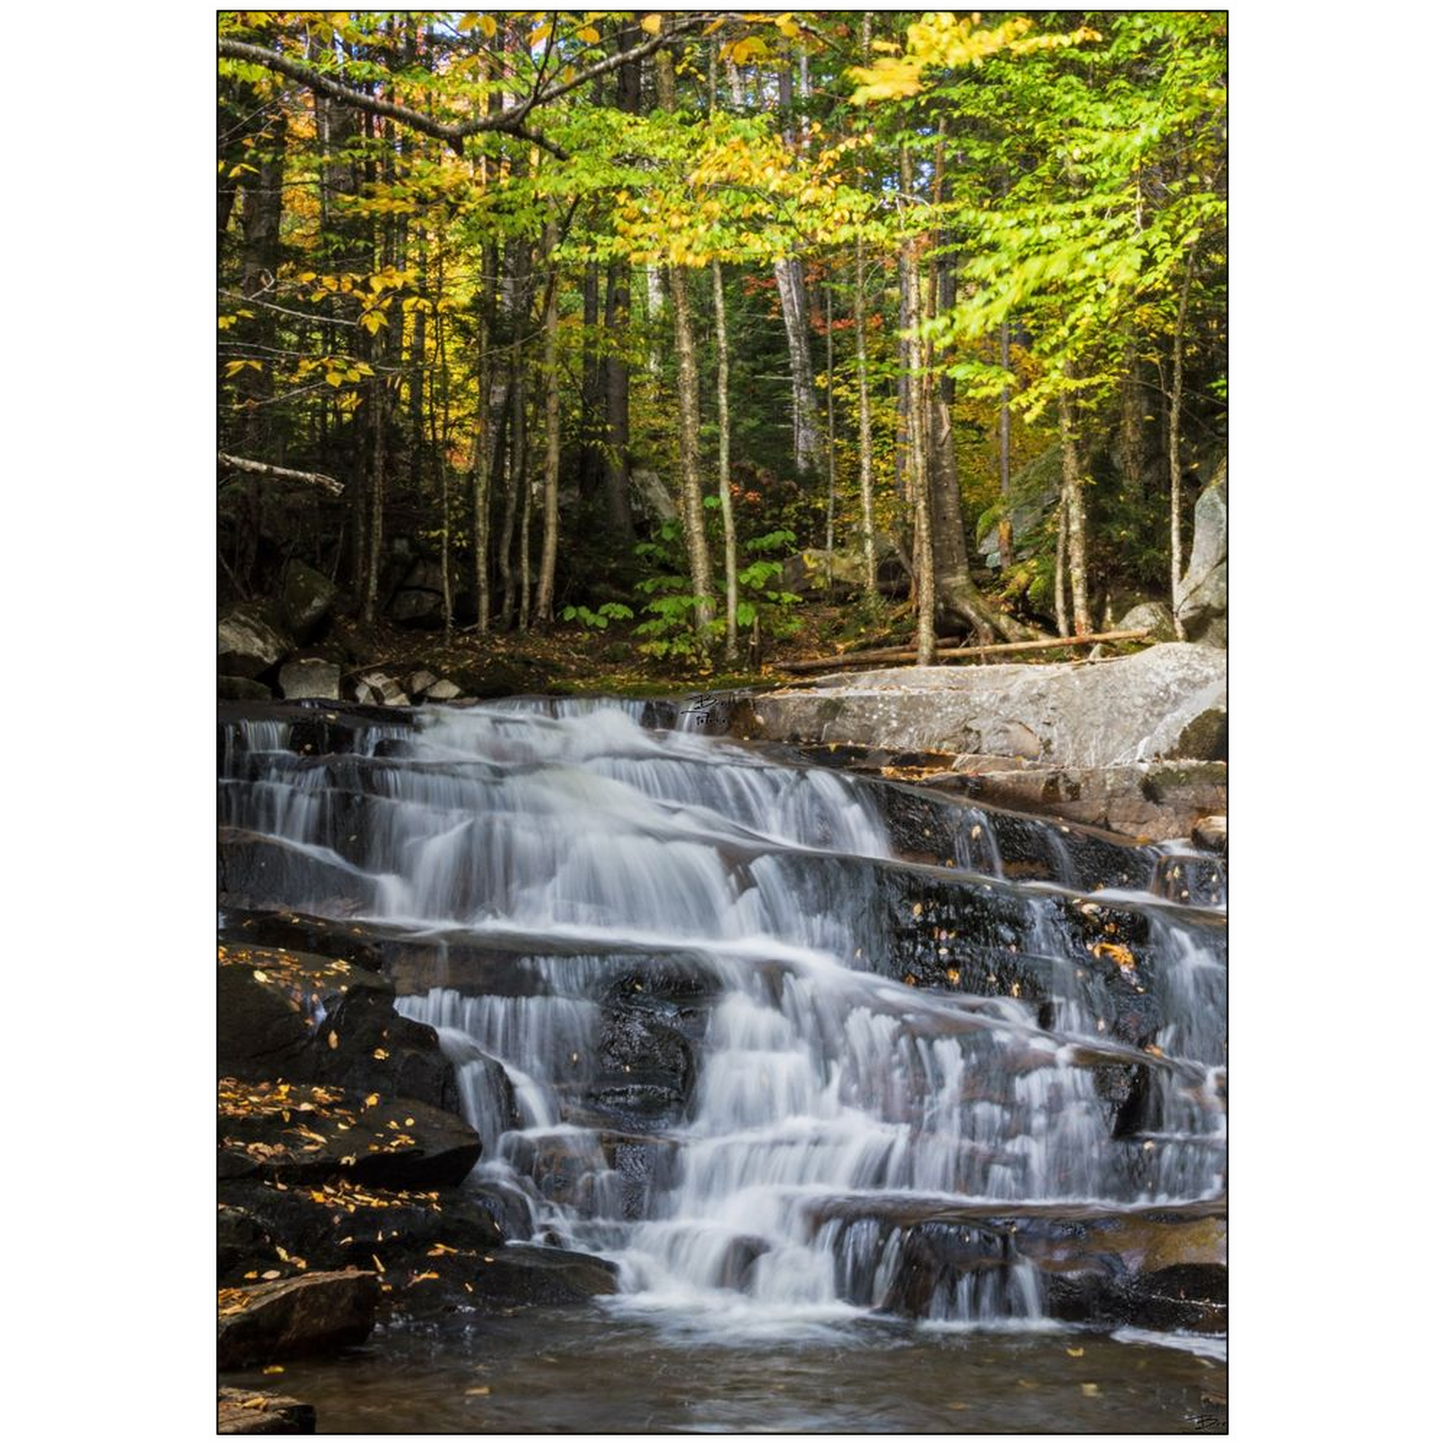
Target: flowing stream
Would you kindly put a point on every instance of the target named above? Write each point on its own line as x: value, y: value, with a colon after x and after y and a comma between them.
x: 782, y: 1058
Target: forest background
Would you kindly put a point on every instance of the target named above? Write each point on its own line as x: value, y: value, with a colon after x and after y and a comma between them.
x: 720, y: 308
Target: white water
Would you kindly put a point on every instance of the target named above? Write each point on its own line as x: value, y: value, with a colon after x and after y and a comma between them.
x: 829, y: 1100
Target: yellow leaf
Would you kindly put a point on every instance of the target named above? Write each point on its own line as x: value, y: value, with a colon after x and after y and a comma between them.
x: 271, y: 1274
x: 651, y: 23
x: 1074, y: 1353
x: 589, y: 35
x: 274, y: 1370
x: 480, y: 1390
x: 259, y: 975
x: 372, y: 1100
x: 331, y: 1038
x: 1090, y: 1390
x: 380, y: 1054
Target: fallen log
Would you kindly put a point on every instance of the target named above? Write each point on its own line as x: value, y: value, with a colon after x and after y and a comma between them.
x: 284, y: 474
x: 897, y: 654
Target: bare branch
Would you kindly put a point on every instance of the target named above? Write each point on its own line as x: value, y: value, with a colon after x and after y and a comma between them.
x: 284, y: 474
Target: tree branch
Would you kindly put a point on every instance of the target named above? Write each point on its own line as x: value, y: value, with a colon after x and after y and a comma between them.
x: 285, y: 474
x: 507, y: 122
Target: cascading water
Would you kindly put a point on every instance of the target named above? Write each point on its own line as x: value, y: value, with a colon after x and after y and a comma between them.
x: 711, y: 1024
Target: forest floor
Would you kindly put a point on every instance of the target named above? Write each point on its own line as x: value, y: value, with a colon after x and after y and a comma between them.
x: 571, y: 658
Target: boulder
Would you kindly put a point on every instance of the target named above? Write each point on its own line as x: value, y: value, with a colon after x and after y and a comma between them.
x: 1092, y: 715
x: 651, y: 498
x: 420, y: 600
x: 377, y: 687
x: 248, y: 643
x: 299, y: 1133
x: 317, y: 1019
x: 311, y: 677
x: 242, y: 689
x: 1152, y: 617
x: 420, y: 681
x: 279, y: 1320
x: 306, y: 599
x: 1204, y: 591
x: 1212, y: 833
x: 444, y: 691
x: 258, y: 1220
x: 259, y: 1412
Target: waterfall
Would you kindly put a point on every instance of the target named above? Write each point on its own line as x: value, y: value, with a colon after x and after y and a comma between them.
x: 713, y: 1020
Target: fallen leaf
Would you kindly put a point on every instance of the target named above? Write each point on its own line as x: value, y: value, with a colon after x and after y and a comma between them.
x: 480, y: 1390
x: 1090, y: 1390
x: 332, y: 1039
x: 274, y: 1370
x: 1074, y: 1353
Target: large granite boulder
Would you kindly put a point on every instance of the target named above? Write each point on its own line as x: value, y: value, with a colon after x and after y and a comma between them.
x: 1204, y: 592
x: 248, y: 643
x: 1094, y: 715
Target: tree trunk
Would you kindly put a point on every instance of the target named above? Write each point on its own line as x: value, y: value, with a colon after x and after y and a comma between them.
x: 552, y: 413
x: 1061, y: 569
x: 865, y: 421
x: 1073, y: 493
x: 917, y: 422
x: 832, y: 428
x: 724, y: 466
x: 689, y: 421
x: 789, y: 276
x: 1176, y: 469
x: 481, y: 455
x: 1005, y: 516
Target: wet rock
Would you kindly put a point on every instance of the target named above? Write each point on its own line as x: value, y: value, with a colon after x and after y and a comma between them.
x: 307, y: 597
x: 1204, y: 590
x: 248, y: 643
x: 418, y: 683
x: 311, y: 677
x: 1212, y: 833
x: 1145, y: 800
x: 242, y: 689
x: 309, y: 1315
x: 537, y: 1275
x: 1190, y: 878
x: 339, y: 1224
x: 307, y: 1133
x: 318, y: 1019
x: 265, y: 872
x: 650, y: 496
x: 259, y: 1412
x: 644, y: 1065
x: 443, y: 690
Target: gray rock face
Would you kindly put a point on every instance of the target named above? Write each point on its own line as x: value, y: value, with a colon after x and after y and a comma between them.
x: 1097, y: 715
x: 1204, y: 592
x: 1153, y: 617
x: 650, y: 497
x: 306, y: 598
x: 247, y: 644
x: 444, y: 691
x: 311, y: 677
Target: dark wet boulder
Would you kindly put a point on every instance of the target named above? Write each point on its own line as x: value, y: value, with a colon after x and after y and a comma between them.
x: 540, y: 1275
x: 306, y: 599
x: 644, y: 1064
x: 1212, y: 833
x: 256, y: 871
x: 248, y: 642
x: 307, y: 1133
x: 282, y: 1319
x: 260, y: 1412
x: 340, y: 1224
x: 313, y: 1018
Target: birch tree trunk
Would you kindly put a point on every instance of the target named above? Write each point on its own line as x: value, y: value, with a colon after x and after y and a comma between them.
x: 865, y: 421
x: 1176, y: 470
x: 724, y: 466
x: 1073, y: 498
x: 552, y: 414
